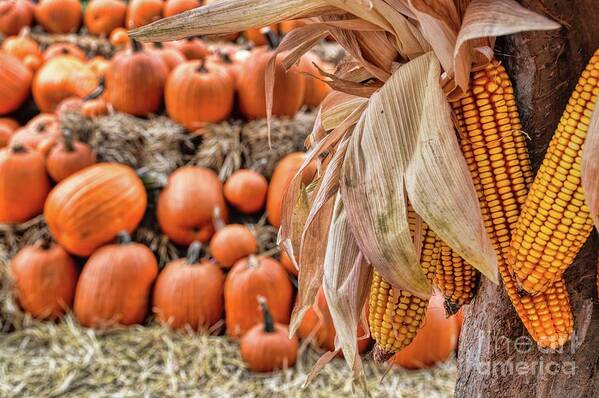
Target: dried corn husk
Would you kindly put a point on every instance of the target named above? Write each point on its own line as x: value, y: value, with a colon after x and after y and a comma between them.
x: 590, y: 167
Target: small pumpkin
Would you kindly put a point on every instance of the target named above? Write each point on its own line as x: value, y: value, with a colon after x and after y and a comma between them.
x: 103, y: 16
x: 182, y: 215
x: 60, y: 49
x: 257, y: 37
x: 223, y: 60
x: 249, y: 278
x: 316, y: 89
x: 60, y: 78
x: 135, y: 81
x: 37, y: 130
x: 99, y: 65
x: 287, y: 26
x: 59, y: 16
x: 267, y: 346
x: 231, y: 243
x: 246, y: 191
x: 197, y: 94
x: 435, y: 341
x: 15, y: 15
x: 15, y: 81
x: 45, y: 277
x: 119, y: 37
x: 174, y: 7
x: 143, y: 12
x: 115, y: 284
x: 281, y: 178
x: 88, y: 209
x: 68, y: 157
x: 32, y: 62
x: 189, y: 292
x: 192, y: 48
x: 21, y: 46
x: 24, y: 184
x: 169, y: 55
x: 317, y: 326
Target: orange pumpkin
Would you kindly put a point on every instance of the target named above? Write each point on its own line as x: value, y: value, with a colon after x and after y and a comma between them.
x: 231, y: 243
x: 186, y: 205
x: 32, y: 62
x: 316, y: 90
x: 143, y: 12
x: 267, y: 346
x: 107, y: 293
x: 21, y: 46
x: 246, y: 191
x: 288, y: 264
x: 192, y: 48
x: 197, y: 94
x: 59, y: 49
x: 59, y: 16
x: 288, y: 93
x: 281, y: 178
x: 249, y: 278
x: 435, y: 341
x: 43, y: 126
x: 24, y: 184
x: 60, y: 78
x: 174, y: 7
x: 94, y: 108
x: 88, y: 209
x: 257, y: 37
x: 99, y: 65
x: 287, y: 26
x: 119, y: 37
x: 135, y: 81
x: 169, y: 55
x: 15, y: 15
x: 68, y: 157
x: 317, y: 325
x: 103, y: 16
x: 223, y: 60
x: 45, y: 277
x: 189, y: 292
x: 15, y: 81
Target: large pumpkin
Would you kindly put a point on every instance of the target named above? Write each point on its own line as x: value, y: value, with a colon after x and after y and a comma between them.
x: 135, y: 81
x: 173, y: 7
x: 21, y: 46
x: 15, y: 15
x: 103, y: 16
x: 281, y: 178
x: 60, y: 78
x: 189, y: 292
x: 246, y: 191
x: 89, y: 208
x: 45, y: 277
x: 59, y: 16
x: 186, y: 205
x: 15, y: 81
x: 142, y: 12
x: 267, y: 346
x: 68, y: 157
x: 435, y: 341
x: 24, y: 184
x: 317, y: 325
x: 115, y: 284
x: 197, y: 94
x: 249, y: 278
x: 288, y: 93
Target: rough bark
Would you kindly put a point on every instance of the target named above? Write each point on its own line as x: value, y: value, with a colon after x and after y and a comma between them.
x: 493, y: 352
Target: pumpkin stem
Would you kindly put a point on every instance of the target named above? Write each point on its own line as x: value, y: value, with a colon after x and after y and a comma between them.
x: 136, y: 46
x: 217, y: 219
x: 64, y: 51
x: 225, y: 57
x: 202, y: 67
x: 123, y: 237
x: 271, y: 38
x: 269, y: 324
x: 18, y: 148
x: 98, y: 91
x: 253, y: 261
x: 68, y: 140
x: 193, y: 252
x: 158, y: 44
x: 44, y: 243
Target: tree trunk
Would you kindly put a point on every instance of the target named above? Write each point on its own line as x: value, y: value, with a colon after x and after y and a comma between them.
x: 495, y: 357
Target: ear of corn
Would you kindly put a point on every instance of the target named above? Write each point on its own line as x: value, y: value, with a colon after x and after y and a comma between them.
x: 555, y: 220
x: 493, y: 144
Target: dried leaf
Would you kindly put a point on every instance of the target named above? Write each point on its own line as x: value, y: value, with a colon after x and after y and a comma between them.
x: 590, y: 167
x: 337, y: 106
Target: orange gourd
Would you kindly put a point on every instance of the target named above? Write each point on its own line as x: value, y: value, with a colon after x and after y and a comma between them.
x: 316, y: 90
x: 68, y: 157
x: 281, y: 178
x: 42, y: 127
x: 249, y: 278
x: 197, y: 94
x: 169, y: 55
x: 317, y: 325
x: 62, y: 77
x: 24, y: 184
x: 174, y: 7
x: 189, y: 292
x: 231, y: 243
x: 115, y: 284
x: 103, y: 16
x: 267, y: 346
x: 435, y: 341
x: 135, y: 81
x: 15, y: 15
x: 59, y: 16
x: 119, y: 37
x: 59, y: 49
x: 21, y: 46
x: 246, y: 191
x: 15, y: 81
x: 45, y: 277
x: 32, y: 62
x: 143, y: 12
x: 88, y: 209
x: 186, y: 205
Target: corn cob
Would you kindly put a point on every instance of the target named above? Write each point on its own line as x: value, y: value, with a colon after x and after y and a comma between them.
x: 493, y: 144
x: 555, y: 221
